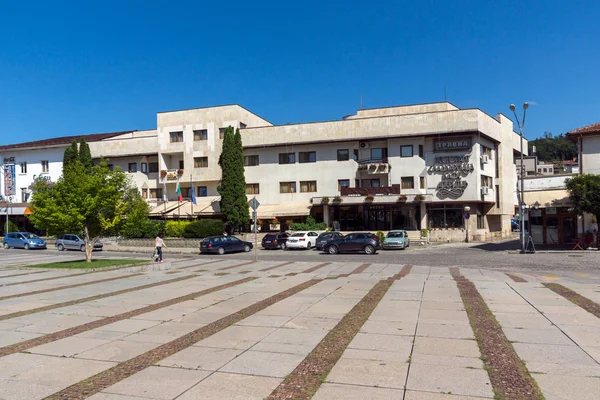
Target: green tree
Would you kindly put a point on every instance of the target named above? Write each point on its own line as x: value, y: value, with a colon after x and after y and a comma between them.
x: 584, y: 191
x: 85, y: 155
x: 71, y: 154
x: 234, y: 204
x: 554, y: 148
x: 94, y: 203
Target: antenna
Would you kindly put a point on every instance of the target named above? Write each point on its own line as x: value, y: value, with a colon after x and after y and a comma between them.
x: 444, y: 92
x: 361, y: 103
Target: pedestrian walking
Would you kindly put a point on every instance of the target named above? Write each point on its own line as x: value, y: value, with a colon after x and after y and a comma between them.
x: 159, y: 243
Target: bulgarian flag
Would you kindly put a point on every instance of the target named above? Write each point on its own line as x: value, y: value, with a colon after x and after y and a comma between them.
x: 178, y: 192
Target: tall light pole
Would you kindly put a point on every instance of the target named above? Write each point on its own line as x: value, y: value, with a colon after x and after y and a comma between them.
x: 521, y: 125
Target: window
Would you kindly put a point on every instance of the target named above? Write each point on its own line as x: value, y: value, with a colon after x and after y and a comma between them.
x: 356, y: 183
x: 497, y: 196
x: 176, y: 137
x: 222, y: 133
x: 307, y: 157
x: 23, y: 166
x: 343, y: 183
x: 407, y: 182
x: 144, y: 167
x: 421, y: 151
x: 251, y: 161
x: 180, y: 164
x: 379, y: 154
x: 486, y: 181
x: 132, y: 167
x: 421, y: 182
x: 343, y: 155
x: 545, y: 169
x: 201, y: 134
x: 156, y: 193
x: 480, y: 222
x: 486, y: 151
x: 242, y: 125
x: 153, y: 167
x: 406, y: 151
x: 370, y: 183
x: 24, y: 195
x: 355, y: 156
x: 252, y: 188
x: 308, y: 186
x: 287, y: 187
x: 202, y: 191
x: 200, y: 162
x: 446, y: 217
x: 287, y: 158
x: 45, y: 166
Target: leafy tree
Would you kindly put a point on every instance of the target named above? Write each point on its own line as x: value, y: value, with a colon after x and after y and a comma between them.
x: 584, y: 191
x: 137, y: 210
x: 554, y: 148
x: 85, y: 155
x: 94, y: 203
x: 234, y: 203
x: 71, y: 154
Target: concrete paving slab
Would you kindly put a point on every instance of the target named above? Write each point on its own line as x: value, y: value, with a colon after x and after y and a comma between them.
x: 548, y: 353
x: 102, y: 335
x: 585, y: 338
x: 312, y: 323
x: 446, y: 347
x: 49, y: 323
x: 450, y: 361
x: 204, y: 358
x: 236, y: 337
x: 117, y: 350
x: 557, y: 387
x: 334, y: 391
x: 164, y: 332
x: 371, y: 341
x: 443, y: 305
x: 523, y: 320
x: 375, y: 355
x: 283, y: 348
x: 110, y: 396
x: 68, y: 347
x: 296, y: 336
x: 158, y: 383
x: 443, y: 379
x: 540, y: 336
x: 129, y: 325
x: 414, y: 395
x: 387, y: 374
x: 15, y: 390
x: 274, y: 321
x: 389, y: 328
x: 11, y: 337
x: 220, y: 386
x: 276, y: 365
x: 451, y: 331
x: 575, y: 318
x: 563, y: 369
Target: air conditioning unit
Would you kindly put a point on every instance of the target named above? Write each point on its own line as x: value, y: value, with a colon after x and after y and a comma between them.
x: 485, y: 190
x: 485, y: 159
x: 364, y: 145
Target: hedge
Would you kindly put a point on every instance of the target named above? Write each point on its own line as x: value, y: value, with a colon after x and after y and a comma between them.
x: 203, y: 228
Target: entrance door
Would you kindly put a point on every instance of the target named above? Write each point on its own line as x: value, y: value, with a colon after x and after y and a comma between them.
x: 552, y: 236
x: 569, y: 229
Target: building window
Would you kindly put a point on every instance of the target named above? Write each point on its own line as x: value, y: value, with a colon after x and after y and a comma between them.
x: 355, y: 154
x: 421, y: 151
x: 132, y: 167
x: 486, y: 151
x: 111, y: 167
x: 343, y: 183
x: 497, y: 196
x: 356, y: 183
x: 308, y: 186
x: 155, y: 193
x: 422, y: 182
x: 343, y: 155
x: 24, y: 195
x: 480, y: 222
x: 180, y: 164
x: 545, y: 169
x: 176, y: 137
x: 307, y: 157
x: 202, y: 191
x: 497, y: 162
x: 379, y: 154
x: 407, y: 182
x: 242, y: 125
x: 406, y: 151
x: 446, y: 217
x: 45, y: 166
x: 144, y: 168
x: 200, y: 162
x: 222, y: 133
x: 287, y: 158
x: 153, y: 167
x: 486, y: 181
x: 287, y: 187
x: 201, y: 134
x: 370, y: 183
x: 23, y: 166
x: 252, y: 188
x: 251, y: 161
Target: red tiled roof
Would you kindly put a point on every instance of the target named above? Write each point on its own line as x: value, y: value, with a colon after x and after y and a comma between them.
x: 593, y: 128
x: 63, y: 140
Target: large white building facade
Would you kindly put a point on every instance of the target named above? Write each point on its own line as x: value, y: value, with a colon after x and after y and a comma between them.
x: 410, y: 167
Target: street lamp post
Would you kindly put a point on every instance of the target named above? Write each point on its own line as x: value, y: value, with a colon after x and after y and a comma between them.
x: 521, y: 125
x: 466, y: 217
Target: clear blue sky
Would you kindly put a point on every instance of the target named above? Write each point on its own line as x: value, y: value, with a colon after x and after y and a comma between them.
x: 73, y: 67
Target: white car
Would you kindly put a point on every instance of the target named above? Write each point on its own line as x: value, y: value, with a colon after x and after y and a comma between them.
x: 302, y: 240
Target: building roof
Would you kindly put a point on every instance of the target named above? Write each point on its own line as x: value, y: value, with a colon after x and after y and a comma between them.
x: 593, y: 128
x: 63, y: 140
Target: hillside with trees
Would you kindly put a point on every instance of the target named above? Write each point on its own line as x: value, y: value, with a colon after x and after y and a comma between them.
x: 553, y: 148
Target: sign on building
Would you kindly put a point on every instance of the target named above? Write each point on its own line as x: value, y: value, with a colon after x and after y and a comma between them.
x: 456, y: 144
x: 9, y: 179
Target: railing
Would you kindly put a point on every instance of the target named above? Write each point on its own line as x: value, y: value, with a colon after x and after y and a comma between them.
x: 171, y: 174
x: 381, y: 160
x: 373, y: 191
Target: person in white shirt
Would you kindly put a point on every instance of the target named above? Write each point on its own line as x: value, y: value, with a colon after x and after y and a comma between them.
x: 159, y: 244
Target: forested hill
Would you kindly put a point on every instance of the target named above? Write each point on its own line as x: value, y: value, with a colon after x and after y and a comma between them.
x: 553, y: 148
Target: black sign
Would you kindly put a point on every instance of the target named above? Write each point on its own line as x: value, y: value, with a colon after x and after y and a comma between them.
x: 456, y: 144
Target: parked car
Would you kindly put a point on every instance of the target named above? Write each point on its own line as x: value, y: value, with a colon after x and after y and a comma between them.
x: 396, y: 240
x: 275, y: 240
x: 327, y: 237
x: 74, y: 242
x: 514, y: 224
x: 222, y: 244
x: 352, y: 243
x: 23, y: 240
x: 302, y: 240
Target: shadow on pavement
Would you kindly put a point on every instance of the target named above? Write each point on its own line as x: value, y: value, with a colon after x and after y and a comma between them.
x: 499, y: 246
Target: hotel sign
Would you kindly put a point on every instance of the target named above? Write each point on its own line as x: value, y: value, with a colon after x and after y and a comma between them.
x: 458, y: 144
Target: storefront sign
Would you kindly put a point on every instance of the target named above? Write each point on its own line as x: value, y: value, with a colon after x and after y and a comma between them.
x: 452, y: 144
x: 9, y: 160
x: 9, y: 180
x: 453, y: 170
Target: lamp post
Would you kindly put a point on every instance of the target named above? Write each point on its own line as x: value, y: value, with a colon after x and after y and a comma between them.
x: 466, y: 217
x: 521, y: 125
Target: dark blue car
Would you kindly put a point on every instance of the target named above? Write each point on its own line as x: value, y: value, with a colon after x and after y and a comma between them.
x: 224, y: 244
x: 514, y: 224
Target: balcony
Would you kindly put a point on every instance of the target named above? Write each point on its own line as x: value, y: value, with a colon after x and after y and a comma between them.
x: 393, y: 190
x: 374, y: 165
x: 171, y: 174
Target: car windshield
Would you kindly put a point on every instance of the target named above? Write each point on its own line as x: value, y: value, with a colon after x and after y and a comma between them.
x: 30, y: 236
x: 298, y: 234
x: 270, y: 236
x: 394, y: 234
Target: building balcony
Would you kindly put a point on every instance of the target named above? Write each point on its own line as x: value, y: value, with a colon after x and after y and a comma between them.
x: 170, y: 174
x: 393, y: 190
x: 374, y: 165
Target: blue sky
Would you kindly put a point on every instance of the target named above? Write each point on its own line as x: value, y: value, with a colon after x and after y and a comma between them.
x: 73, y: 67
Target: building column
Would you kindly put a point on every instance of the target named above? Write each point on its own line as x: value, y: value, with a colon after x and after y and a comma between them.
x: 326, y: 215
x: 424, y: 219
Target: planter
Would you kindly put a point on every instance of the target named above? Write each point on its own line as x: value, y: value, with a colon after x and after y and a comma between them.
x: 163, y: 173
x: 274, y: 227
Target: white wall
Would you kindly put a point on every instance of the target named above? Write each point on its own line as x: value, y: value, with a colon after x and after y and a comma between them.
x: 591, y: 154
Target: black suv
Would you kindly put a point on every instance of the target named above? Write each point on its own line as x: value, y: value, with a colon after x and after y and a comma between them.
x: 352, y: 243
x: 327, y: 237
x: 275, y: 240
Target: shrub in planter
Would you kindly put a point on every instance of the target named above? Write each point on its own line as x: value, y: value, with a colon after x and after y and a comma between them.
x: 203, y: 228
x: 419, y: 197
x: 148, y: 228
x: 369, y: 198
x: 380, y: 235
x: 12, y: 227
x: 309, y: 225
x: 324, y: 199
x: 424, y: 233
x: 402, y: 197
x: 180, y: 171
x: 337, y: 199
x: 175, y: 228
x: 163, y: 173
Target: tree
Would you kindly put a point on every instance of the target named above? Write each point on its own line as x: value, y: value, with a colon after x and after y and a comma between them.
x: 71, y: 154
x: 95, y: 203
x: 554, y: 148
x: 85, y: 156
x: 234, y: 204
x: 584, y: 191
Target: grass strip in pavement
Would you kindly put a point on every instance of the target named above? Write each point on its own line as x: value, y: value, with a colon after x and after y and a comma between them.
x: 516, y: 278
x: 316, y: 267
x: 52, y: 337
x: 12, y: 296
x: 109, y: 377
x: 92, y: 298
x: 24, y: 273
x: 306, y: 379
x: 277, y: 266
x: 237, y: 265
x: 508, y: 374
x: 588, y: 305
x: 98, y: 263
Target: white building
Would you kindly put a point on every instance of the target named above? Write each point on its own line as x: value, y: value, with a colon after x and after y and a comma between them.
x: 408, y: 167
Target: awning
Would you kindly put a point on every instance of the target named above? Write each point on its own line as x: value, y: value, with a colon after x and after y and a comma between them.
x: 548, y: 198
x: 164, y: 208
x: 285, y: 209
x: 188, y: 209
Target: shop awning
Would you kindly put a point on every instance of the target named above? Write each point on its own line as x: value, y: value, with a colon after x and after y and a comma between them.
x: 285, y: 209
x: 164, y: 208
x: 188, y: 209
x: 548, y: 198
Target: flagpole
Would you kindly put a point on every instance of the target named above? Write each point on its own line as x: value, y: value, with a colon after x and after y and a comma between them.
x: 192, y: 196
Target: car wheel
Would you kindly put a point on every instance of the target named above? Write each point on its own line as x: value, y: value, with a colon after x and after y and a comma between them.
x: 61, y: 247
x: 26, y: 246
x: 283, y: 246
x: 333, y: 249
x: 308, y: 246
x: 246, y: 248
x: 221, y: 251
x: 6, y: 246
x: 369, y: 249
x: 82, y: 248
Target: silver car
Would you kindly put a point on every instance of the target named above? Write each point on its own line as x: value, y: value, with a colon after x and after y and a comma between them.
x: 74, y: 242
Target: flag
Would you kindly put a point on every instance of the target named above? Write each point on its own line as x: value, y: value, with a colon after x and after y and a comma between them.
x: 193, y: 193
x: 178, y: 192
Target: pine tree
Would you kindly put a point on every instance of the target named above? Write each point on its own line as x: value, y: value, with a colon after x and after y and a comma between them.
x: 241, y: 200
x: 85, y: 155
x: 225, y: 188
x: 71, y: 155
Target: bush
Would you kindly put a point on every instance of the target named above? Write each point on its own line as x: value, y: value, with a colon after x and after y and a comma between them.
x: 12, y: 227
x: 175, y: 228
x: 309, y: 225
x: 424, y: 233
x: 203, y: 228
x: 380, y: 235
x: 146, y: 229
